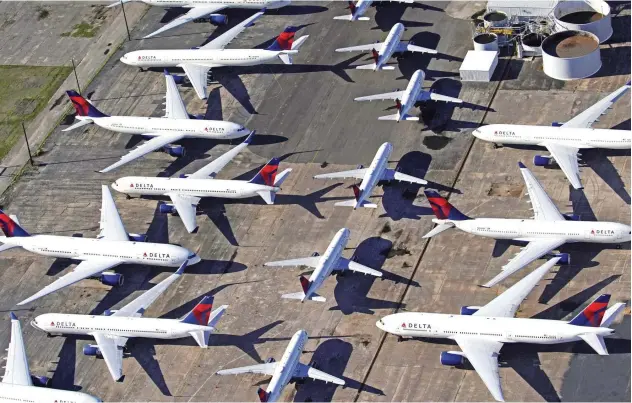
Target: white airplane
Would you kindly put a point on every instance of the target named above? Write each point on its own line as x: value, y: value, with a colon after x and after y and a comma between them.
x: 176, y: 125
x: 481, y: 332
x: 382, y: 51
x: 17, y: 383
x: 112, y: 329
x: 112, y: 247
x: 564, y: 140
x: 187, y: 191
x: 197, y: 62
x: 548, y: 230
x: 324, y: 265
x: 358, y: 9
x: 376, y: 172
x: 406, y: 100
x: 205, y: 10
x: 284, y: 371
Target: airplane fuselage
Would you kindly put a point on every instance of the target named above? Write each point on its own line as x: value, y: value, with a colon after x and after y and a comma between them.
x: 527, y: 230
x: 411, y: 94
x: 360, y: 8
x: 29, y: 394
x: 390, y: 45
x: 504, y: 330
x: 226, y: 189
x: 572, y: 137
x: 375, y: 172
x: 120, y: 326
x: 194, y: 128
x: 328, y: 261
x: 203, y: 57
x: 90, y: 248
x: 254, y: 4
x: 286, y: 367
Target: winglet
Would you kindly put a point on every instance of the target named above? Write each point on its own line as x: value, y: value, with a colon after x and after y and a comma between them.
x: 182, y: 267
x: 249, y: 138
x: 521, y: 165
x: 13, y: 317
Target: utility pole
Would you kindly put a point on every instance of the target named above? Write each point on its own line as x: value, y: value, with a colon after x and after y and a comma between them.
x: 27, y: 144
x: 74, y: 68
x: 129, y: 38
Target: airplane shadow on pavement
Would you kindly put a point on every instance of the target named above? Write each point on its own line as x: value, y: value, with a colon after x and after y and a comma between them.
x: 388, y: 14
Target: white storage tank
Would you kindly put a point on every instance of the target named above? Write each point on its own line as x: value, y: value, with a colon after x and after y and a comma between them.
x: 532, y: 44
x: 589, y: 15
x: 479, y: 65
x: 486, y: 41
x: 495, y: 19
x: 569, y: 55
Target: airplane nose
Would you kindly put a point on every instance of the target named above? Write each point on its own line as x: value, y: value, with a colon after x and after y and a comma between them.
x: 34, y: 324
x: 115, y: 186
x: 380, y: 324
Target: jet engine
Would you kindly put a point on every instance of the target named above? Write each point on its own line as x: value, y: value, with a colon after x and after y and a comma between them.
x: 183, y: 176
x: 92, y: 351
x: 557, y: 124
x: 167, y: 208
x: 571, y: 217
x: 112, y: 279
x: 179, y: 79
x: 565, y: 259
x: 42, y: 381
x: 175, y: 151
x: 452, y: 358
x: 137, y: 237
x: 197, y: 117
x: 109, y: 312
x: 215, y: 19
x: 469, y: 310
x: 542, y: 161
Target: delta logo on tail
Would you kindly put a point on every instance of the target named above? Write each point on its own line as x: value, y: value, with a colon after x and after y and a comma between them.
x: 263, y: 395
x: 202, y: 311
x: 376, y: 55
x: 356, y: 191
x: 442, y: 209
x: 83, y: 107
x: 304, y: 284
x: 592, y: 315
x: 352, y: 8
x: 285, y: 39
x: 398, y: 104
x: 268, y: 173
x: 9, y: 227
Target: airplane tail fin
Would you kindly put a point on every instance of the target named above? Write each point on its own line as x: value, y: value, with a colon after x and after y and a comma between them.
x: 593, y: 314
x: 201, y: 313
x: 263, y: 395
x: 285, y: 39
x: 10, y: 227
x: 83, y: 107
x: 305, y: 284
x: 442, y: 209
x: 349, y: 17
x: 267, y: 174
x: 354, y: 202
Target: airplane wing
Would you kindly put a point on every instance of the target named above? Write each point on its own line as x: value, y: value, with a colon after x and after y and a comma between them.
x: 390, y: 174
x: 305, y: 371
x: 506, y: 304
x: 150, y: 145
x: 85, y: 269
x: 362, y: 48
x: 354, y: 173
x: 187, y: 209
x: 138, y: 306
x: 224, y: 39
x: 592, y: 114
x: 483, y: 355
x: 378, y: 97
x: 212, y: 169
x: 193, y: 14
x: 112, y: 228
x: 407, y: 47
x: 443, y: 98
x: 534, y: 250
x: 566, y: 158
x: 303, y: 261
x: 111, y: 349
x: 197, y: 75
x: 174, y: 107
x: 265, y: 369
x: 543, y: 207
x: 17, y: 366
x: 346, y: 264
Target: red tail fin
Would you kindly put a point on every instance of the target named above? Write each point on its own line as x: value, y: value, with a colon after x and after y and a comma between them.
x: 263, y: 395
x: 352, y: 7
x: 376, y: 55
x: 304, y: 284
x: 356, y: 191
x: 398, y: 103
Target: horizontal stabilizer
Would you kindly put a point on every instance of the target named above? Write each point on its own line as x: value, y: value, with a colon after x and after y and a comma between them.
x: 285, y: 58
x: 278, y: 181
x: 80, y: 123
x: 349, y: 17
x: 352, y: 203
x: 267, y: 196
x: 438, y: 229
x: 301, y: 295
x: 7, y: 247
x: 611, y: 314
x: 201, y: 337
x: 299, y: 42
x: 596, y: 342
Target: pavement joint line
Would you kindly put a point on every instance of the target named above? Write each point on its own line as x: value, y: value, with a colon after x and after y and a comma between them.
x: 425, y: 247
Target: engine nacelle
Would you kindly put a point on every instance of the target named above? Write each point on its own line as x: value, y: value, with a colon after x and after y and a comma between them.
x: 469, y: 310
x: 196, y: 117
x: 137, y: 237
x: 215, y: 19
x: 41, y: 381
x: 452, y: 359
x: 175, y: 151
x: 542, y: 161
x: 565, y: 259
x: 112, y: 279
x: 92, y: 350
x: 109, y: 312
x: 167, y: 208
x: 557, y: 124
x: 571, y: 217
x: 179, y: 79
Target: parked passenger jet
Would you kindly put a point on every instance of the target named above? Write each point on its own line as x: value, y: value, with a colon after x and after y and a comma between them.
x: 481, y: 332
x: 358, y: 9
x: 382, y: 51
x: 187, y: 191
x: 284, y: 371
x: 324, y: 265
x: 564, y: 140
x: 205, y: 10
x: 112, y: 247
x: 376, y: 172
x: 162, y: 132
x: 197, y: 62
x: 406, y: 100
x: 548, y: 230
x: 112, y: 329
x: 18, y: 384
